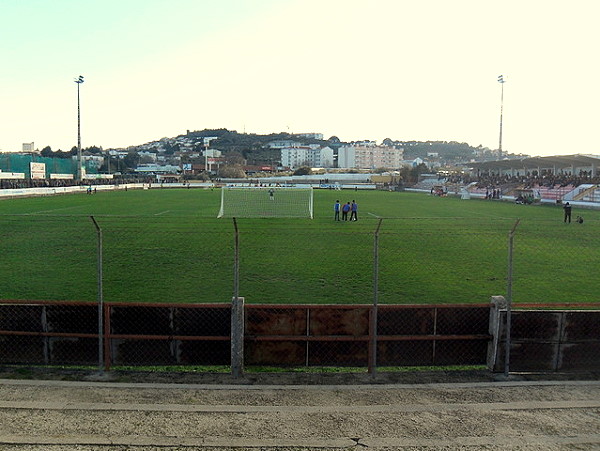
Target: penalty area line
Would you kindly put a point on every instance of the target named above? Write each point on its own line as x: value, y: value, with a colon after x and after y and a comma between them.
x: 372, y: 214
x: 162, y: 213
x: 53, y: 210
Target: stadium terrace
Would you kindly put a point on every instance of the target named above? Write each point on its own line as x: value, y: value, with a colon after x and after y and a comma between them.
x: 560, y: 164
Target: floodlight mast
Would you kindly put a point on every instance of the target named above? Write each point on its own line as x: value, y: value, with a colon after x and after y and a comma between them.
x: 79, y: 80
x: 501, y: 81
x: 206, y: 144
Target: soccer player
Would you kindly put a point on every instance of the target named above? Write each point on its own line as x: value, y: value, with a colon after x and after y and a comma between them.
x: 345, y: 210
x: 272, y: 194
x: 354, y: 209
x: 567, y: 209
x: 336, y: 209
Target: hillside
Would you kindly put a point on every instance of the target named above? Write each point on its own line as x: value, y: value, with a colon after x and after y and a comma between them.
x: 254, y: 147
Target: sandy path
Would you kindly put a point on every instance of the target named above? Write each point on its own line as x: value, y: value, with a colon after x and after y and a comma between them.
x: 57, y: 416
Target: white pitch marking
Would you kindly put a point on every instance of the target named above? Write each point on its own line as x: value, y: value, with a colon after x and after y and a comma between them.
x: 55, y: 209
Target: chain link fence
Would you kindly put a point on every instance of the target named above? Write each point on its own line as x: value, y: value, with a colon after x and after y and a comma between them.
x: 47, y: 258
x: 556, y: 264
x: 372, y: 293
x: 420, y: 261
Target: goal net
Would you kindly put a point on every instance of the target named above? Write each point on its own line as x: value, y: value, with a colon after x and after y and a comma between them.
x: 266, y: 202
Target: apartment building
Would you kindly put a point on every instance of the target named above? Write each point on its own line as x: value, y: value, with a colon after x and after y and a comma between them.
x: 313, y: 156
x: 369, y: 156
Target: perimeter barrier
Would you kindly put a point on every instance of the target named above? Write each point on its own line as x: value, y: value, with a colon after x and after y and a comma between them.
x: 374, y: 293
x: 55, y: 333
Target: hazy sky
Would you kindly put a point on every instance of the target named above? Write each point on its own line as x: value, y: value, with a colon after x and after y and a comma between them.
x: 407, y: 70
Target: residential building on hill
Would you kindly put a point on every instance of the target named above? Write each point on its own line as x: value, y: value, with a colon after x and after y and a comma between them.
x: 318, y: 136
x: 157, y: 169
x: 369, y: 156
x: 313, y: 156
x: 283, y: 144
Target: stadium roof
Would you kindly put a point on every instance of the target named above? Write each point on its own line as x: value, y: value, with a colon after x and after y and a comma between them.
x: 555, y: 162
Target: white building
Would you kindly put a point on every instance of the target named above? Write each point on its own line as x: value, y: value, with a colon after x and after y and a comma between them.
x: 283, y: 144
x: 294, y: 157
x: 313, y: 156
x: 318, y: 136
x: 156, y: 168
x: 368, y: 155
x: 212, y: 153
x: 91, y: 161
x: 148, y: 155
x: 347, y: 157
x: 412, y: 163
x: 323, y: 158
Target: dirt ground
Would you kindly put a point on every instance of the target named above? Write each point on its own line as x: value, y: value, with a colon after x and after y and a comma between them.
x: 417, y: 411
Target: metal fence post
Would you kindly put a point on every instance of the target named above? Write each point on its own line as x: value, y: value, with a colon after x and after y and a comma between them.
x: 373, y: 325
x: 100, y: 298
x: 237, y: 313
x: 509, y: 278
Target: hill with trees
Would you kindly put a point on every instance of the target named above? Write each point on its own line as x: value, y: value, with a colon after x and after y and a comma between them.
x: 255, y: 150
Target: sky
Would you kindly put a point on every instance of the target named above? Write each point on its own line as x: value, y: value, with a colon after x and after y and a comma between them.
x: 360, y: 70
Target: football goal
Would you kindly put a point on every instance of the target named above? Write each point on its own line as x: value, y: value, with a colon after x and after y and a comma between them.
x: 266, y: 202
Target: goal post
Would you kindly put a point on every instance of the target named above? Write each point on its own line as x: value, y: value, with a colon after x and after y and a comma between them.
x: 266, y: 202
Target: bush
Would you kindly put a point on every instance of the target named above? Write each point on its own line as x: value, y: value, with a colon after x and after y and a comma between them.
x: 304, y: 170
x: 232, y: 171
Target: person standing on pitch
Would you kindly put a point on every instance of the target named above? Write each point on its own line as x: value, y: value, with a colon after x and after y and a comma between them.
x: 336, y: 209
x: 345, y: 210
x: 272, y: 194
x: 567, y: 209
x: 354, y: 209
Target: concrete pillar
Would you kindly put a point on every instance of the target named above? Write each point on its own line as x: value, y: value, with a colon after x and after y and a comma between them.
x: 237, y: 337
x: 498, y: 303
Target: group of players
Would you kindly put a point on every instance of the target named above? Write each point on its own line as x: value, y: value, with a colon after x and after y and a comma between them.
x: 348, y: 207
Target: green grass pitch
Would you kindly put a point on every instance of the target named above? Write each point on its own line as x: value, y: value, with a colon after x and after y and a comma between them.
x: 166, y: 245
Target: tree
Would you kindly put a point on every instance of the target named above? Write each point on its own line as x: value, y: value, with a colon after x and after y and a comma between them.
x: 144, y: 159
x: 234, y: 158
x: 231, y: 171
x: 421, y: 168
x: 264, y: 157
x: 93, y: 150
x: 46, y: 152
x: 170, y: 149
x: 304, y: 170
x: 405, y: 174
x: 131, y: 159
x: 411, y: 175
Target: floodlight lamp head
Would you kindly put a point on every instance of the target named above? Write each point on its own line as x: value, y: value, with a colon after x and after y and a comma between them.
x: 79, y: 79
x: 500, y: 78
